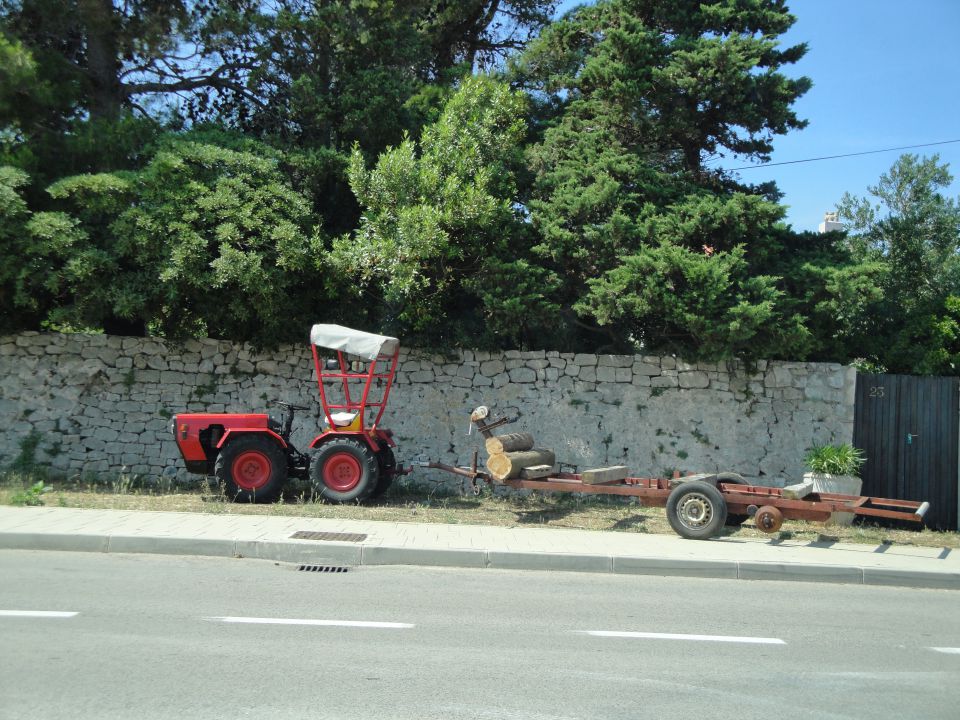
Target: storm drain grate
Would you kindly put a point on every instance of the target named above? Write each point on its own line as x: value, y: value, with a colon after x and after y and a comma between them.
x: 330, y: 536
x: 322, y: 568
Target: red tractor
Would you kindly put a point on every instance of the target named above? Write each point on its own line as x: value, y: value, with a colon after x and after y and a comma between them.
x: 350, y: 461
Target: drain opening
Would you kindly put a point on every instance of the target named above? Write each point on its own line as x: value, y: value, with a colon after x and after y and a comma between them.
x: 322, y: 568
x: 330, y: 536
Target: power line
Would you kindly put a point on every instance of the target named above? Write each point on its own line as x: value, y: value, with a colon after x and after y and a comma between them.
x: 832, y: 157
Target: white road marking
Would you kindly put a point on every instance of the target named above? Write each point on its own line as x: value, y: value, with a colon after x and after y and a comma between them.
x: 677, y: 636
x: 37, y: 613
x: 302, y: 621
x: 948, y: 651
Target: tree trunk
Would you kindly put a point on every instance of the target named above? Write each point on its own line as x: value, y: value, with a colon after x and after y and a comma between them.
x: 509, y: 442
x: 103, y: 65
x: 507, y: 466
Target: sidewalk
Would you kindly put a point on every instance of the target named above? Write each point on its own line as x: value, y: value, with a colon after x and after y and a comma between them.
x: 355, y: 543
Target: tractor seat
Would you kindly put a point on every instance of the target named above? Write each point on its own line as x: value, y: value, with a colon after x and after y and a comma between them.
x: 342, y: 419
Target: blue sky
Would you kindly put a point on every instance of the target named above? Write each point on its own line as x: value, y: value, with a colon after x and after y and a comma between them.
x: 886, y: 73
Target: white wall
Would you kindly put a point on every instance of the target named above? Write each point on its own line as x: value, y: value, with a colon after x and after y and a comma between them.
x: 97, y: 403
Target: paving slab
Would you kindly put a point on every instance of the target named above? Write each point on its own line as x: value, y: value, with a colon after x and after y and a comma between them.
x: 394, y: 543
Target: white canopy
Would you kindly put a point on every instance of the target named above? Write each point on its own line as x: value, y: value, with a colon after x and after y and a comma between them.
x: 355, y: 342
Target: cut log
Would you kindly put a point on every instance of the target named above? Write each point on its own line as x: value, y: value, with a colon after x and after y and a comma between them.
x: 535, y: 472
x: 604, y: 475
x: 507, y: 466
x: 798, y: 491
x: 509, y: 442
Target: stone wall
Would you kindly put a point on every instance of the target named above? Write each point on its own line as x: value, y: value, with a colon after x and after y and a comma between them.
x: 96, y: 404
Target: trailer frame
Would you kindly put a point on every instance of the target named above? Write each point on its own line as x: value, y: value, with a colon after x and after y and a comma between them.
x: 698, y: 504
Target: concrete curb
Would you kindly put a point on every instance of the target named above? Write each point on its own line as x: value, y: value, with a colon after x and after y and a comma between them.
x: 355, y: 555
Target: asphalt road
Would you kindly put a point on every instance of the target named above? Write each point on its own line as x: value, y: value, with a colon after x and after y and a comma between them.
x: 142, y: 637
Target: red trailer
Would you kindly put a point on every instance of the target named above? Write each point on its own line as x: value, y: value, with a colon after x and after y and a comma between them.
x: 699, y: 505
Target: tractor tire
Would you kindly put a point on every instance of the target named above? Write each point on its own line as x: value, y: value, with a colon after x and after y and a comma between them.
x: 344, y: 470
x: 387, y: 463
x: 696, y: 510
x: 251, y: 468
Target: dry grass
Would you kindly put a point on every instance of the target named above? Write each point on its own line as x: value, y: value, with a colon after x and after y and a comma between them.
x: 413, y: 505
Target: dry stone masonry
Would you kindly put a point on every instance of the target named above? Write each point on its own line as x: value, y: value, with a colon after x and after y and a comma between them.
x: 97, y: 405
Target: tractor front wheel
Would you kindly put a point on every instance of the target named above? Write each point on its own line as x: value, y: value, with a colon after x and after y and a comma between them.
x: 251, y: 468
x: 344, y: 470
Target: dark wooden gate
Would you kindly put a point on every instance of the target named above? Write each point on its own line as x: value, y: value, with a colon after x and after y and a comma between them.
x: 908, y: 427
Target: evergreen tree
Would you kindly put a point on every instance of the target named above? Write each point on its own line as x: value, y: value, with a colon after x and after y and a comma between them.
x: 911, y: 231
x: 653, y: 247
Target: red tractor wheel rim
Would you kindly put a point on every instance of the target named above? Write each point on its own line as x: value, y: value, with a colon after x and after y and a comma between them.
x: 251, y: 470
x: 341, y: 472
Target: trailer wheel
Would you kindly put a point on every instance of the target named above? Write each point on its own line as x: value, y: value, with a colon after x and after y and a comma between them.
x: 387, y: 465
x: 696, y: 510
x: 251, y: 468
x: 769, y: 519
x: 344, y: 470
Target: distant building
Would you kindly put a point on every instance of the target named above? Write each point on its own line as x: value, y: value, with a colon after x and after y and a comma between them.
x: 830, y: 222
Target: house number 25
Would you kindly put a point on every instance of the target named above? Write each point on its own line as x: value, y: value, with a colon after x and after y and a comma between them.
x: 876, y: 391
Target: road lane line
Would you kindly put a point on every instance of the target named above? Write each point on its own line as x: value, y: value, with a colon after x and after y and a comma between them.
x: 37, y: 613
x: 948, y: 651
x: 305, y: 621
x: 677, y: 636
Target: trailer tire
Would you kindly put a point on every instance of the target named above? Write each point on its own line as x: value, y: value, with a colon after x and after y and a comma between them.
x: 344, y: 470
x: 387, y: 462
x: 251, y: 468
x: 696, y: 510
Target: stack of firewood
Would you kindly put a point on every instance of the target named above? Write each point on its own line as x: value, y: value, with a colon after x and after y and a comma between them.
x: 512, y: 456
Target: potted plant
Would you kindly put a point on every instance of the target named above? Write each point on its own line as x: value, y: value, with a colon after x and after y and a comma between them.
x: 835, y: 469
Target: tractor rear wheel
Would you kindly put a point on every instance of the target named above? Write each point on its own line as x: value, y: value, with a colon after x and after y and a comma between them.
x: 388, y: 464
x: 251, y: 468
x: 344, y: 470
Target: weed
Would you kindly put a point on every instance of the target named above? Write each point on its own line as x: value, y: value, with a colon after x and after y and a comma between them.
x: 165, y: 413
x: 129, y: 379
x: 27, y: 457
x: 641, y: 408
x: 657, y: 391
x: 235, y: 372
x: 207, y: 388
x: 577, y: 402
x: 682, y: 454
x: 31, y: 496
x: 123, y: 482
x: 700, y: 437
